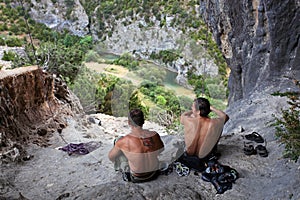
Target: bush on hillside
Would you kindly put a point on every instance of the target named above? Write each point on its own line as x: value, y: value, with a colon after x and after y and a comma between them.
x: 9, y: 56
x: 2, y: 40
x: 13, y: 42
x: 127, y: 61
x: 153, y: 74
x: 85, y: 88
x: 91, y: 56
x: 288, y: 125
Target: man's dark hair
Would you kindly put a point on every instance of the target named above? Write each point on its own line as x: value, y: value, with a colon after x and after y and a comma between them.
x: 203, y: 105
x: 136, y: 117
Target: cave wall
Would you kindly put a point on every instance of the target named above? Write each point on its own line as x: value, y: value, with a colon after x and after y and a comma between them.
x: 260, y: 41
x: 33, y: 105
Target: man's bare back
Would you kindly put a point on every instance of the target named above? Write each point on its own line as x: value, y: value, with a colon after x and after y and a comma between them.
x: 141, y: 148
x: 201, y: 133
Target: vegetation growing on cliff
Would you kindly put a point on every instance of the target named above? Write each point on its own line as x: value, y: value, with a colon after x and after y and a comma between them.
x: 288, y: 125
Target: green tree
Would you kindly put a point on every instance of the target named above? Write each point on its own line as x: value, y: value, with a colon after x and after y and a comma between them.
x: 160, y: 100
x: 200, y: 86
x: 91, y: 56
x: 105, y: 86
x: 13, y: 42
x: 85, y: 88
x: 127, y: 61
x: 135, y: 102
x: 9, y: 56
x: 288, y: 125
x: 60, y: 59
x: 86, y: 43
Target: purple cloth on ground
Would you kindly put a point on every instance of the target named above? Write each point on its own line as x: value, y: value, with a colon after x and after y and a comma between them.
x: 81, y: 148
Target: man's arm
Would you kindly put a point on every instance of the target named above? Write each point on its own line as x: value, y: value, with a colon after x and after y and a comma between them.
x: 161, y: 145
x: 184, y: 115
x: 220, y: 114
x: 114, y: 153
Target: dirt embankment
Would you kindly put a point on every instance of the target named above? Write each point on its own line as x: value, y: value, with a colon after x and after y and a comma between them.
x: 33, y: 106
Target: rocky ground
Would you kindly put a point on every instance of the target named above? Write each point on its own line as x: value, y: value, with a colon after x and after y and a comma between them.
x: 49, y: 173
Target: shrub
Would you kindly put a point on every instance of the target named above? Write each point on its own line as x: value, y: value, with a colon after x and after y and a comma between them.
x: 217, y: 91
x: 15, y: 29
x: 163, y: 117
x: 199, y: 84
x: 160, y: 100
x: 9, y: 56
x: 86, y: 42
x: 288, y: 125
x: 85, y: 88
x: 2, y: 41
x: 13, y: 42
x: 185, y: 103
x: 127, y: 61
x: 91, y: 56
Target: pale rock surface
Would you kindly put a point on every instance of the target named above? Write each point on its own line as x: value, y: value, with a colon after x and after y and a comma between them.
x: 53, y: 174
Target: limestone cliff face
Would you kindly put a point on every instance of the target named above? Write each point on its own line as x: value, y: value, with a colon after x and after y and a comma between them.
x: 33, y: 105
x: 260, y: 40
x: 61, y: 15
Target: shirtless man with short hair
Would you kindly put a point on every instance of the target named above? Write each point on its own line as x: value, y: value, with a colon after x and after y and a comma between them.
x: 201, y: 133
x: 141, y: 148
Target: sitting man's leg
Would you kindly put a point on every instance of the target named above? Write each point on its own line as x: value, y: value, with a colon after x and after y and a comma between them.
x: 121, y: 164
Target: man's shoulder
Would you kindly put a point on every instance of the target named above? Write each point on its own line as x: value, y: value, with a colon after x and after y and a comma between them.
x: 126, y: 138
x: 218, y: 120
x: 124, y: 142
x: 152, y: 134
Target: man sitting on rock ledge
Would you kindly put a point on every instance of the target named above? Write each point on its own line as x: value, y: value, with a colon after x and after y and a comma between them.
x: 201, y: 133
x: 136, y: 154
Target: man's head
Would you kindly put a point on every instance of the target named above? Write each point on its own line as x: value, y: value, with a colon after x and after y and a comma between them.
x: 136, y: 117
x: 203, y: 106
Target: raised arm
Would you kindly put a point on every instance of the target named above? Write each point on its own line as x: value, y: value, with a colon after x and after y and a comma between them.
x: 220, y: 114
x: 184, y: 115
x: 160, y: 144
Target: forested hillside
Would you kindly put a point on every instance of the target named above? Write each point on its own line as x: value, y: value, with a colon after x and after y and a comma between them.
x: 60, y: 51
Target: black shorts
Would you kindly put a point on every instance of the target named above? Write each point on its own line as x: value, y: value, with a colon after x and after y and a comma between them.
x: 193, y: 162
x: 127, y: 176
